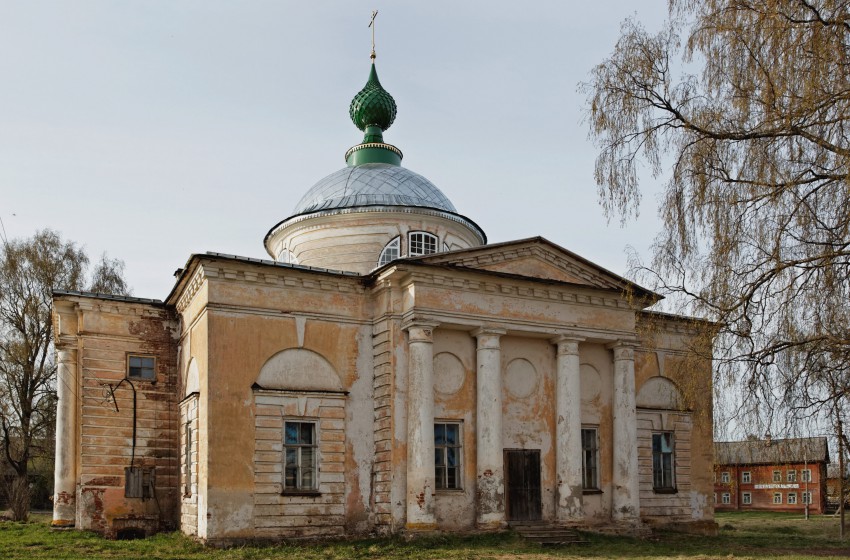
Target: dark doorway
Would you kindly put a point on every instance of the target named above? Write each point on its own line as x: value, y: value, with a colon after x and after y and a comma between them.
x: 523, y: 484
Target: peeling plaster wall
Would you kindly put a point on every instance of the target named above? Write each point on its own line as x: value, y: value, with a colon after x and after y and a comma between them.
x: 597, y: 391
x: 108, y: 332
x: 528, y: 408
x: 454, y: 400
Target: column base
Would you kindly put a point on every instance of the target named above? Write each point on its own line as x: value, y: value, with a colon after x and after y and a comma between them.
x: 491, y: 525
x: 421, y: 527
x: 62, y: 524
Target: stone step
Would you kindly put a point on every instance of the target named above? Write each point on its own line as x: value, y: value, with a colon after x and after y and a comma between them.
x: 546, y: 534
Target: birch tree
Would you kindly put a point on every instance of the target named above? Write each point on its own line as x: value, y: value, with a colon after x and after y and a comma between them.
x: 30, y: 269
x: 742, y: 110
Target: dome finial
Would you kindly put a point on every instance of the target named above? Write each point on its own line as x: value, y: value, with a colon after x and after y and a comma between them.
x: 372, y: 25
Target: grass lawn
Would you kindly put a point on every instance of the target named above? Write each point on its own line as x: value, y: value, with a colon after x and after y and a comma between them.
x: 742, y: 535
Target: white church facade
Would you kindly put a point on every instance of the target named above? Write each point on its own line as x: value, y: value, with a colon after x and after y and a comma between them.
x: 385, y: 371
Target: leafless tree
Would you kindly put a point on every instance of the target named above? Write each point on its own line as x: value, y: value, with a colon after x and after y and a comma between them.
x: 743, y: 108
x: 30, y: 269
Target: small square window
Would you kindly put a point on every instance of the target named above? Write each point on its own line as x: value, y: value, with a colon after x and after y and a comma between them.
x: 747, y: 498
x: 806, y: 475
x: 792, y: 498
x: 777, y: 497
x: 724, y: 477
x: 141, y: 367
x: 746, y: 477
x: 791, y: 476
x: 726, y: 498
x: 777, y: 476
x: 807, y: 497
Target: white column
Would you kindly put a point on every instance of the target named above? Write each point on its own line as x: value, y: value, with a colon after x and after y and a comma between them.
x: 420, y: 428
x: 626, y: 497
x: 490, y: 491
x: 65, y: 469
x: 568, y: 457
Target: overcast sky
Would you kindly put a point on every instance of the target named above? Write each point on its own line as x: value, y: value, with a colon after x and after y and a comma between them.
x: 153, y: 130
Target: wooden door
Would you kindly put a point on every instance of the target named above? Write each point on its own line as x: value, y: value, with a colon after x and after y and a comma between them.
x: 522, y: 467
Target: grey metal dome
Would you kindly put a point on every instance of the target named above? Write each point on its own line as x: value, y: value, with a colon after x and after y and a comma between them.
x: 373, y: 184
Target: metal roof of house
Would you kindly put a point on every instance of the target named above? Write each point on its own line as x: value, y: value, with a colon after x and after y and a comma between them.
x: 776, y: 451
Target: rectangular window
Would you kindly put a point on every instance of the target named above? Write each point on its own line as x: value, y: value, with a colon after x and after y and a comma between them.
x: 746, y: 477
x: 724, y: 477
x: 807, y: 497
x: 662, y: 461
x: 791, y: 476
x: 447, y: 455
x: 141, y: 367
x: 792, y: 498
x: 746, y: 498
x: 589, y: 459
x: 187, y: 461
x: 806, y: 475
x: 777, y: 476
x: 300, y: 451
x: 777, y: 497
x: 726, y: 498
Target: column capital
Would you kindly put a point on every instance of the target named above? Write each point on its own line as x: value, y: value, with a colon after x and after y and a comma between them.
x: 421, y: 331
x: 567, y: 344
x: 488, y: 337
x: 623, y: 349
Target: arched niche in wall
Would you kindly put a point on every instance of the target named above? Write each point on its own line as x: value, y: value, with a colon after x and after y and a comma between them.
x: 193, y: 378
x: 659, y: 392
x: 298, y: 369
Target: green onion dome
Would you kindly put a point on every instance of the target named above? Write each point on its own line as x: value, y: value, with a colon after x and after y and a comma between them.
x: 373, y: 105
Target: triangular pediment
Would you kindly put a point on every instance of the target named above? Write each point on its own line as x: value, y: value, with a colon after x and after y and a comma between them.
x: 536, y: 258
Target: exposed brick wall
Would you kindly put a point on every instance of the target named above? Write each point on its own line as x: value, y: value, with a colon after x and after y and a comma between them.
x: 762, y: 487
x: 383, y: 383
x: 106, y: 434
x: 189, y: 465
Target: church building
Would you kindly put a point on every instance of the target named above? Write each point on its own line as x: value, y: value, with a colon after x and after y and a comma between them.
x: 386, y: 370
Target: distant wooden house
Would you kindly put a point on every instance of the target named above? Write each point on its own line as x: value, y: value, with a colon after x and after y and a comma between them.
x: 775, y: 475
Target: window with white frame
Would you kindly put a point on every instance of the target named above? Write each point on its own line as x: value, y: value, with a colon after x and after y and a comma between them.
x: 448, y: 449
x: 141, y: 367
x: 791, y: 476
x: 724, y: 477
x: 726, y: 498
x: 589, y: 458
x: 792, y: 498
x: 391, y: 252
x: 777, y: 497
x: 662, y: 462
x: 300, y: 451
x: 746, y: 477
x: 746, y: 498
x: 806, y: 475
x: 421, y: 243
x: 777, y: 476
x: 807, y: 497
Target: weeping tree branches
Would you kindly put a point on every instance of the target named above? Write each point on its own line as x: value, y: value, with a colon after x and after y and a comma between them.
x: 30, y: 269
x: 755, y: 150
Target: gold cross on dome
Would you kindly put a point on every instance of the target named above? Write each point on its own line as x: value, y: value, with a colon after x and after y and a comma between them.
x: 372, y: 25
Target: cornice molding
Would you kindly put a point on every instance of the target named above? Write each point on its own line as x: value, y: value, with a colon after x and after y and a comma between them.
x: 519, y: 288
